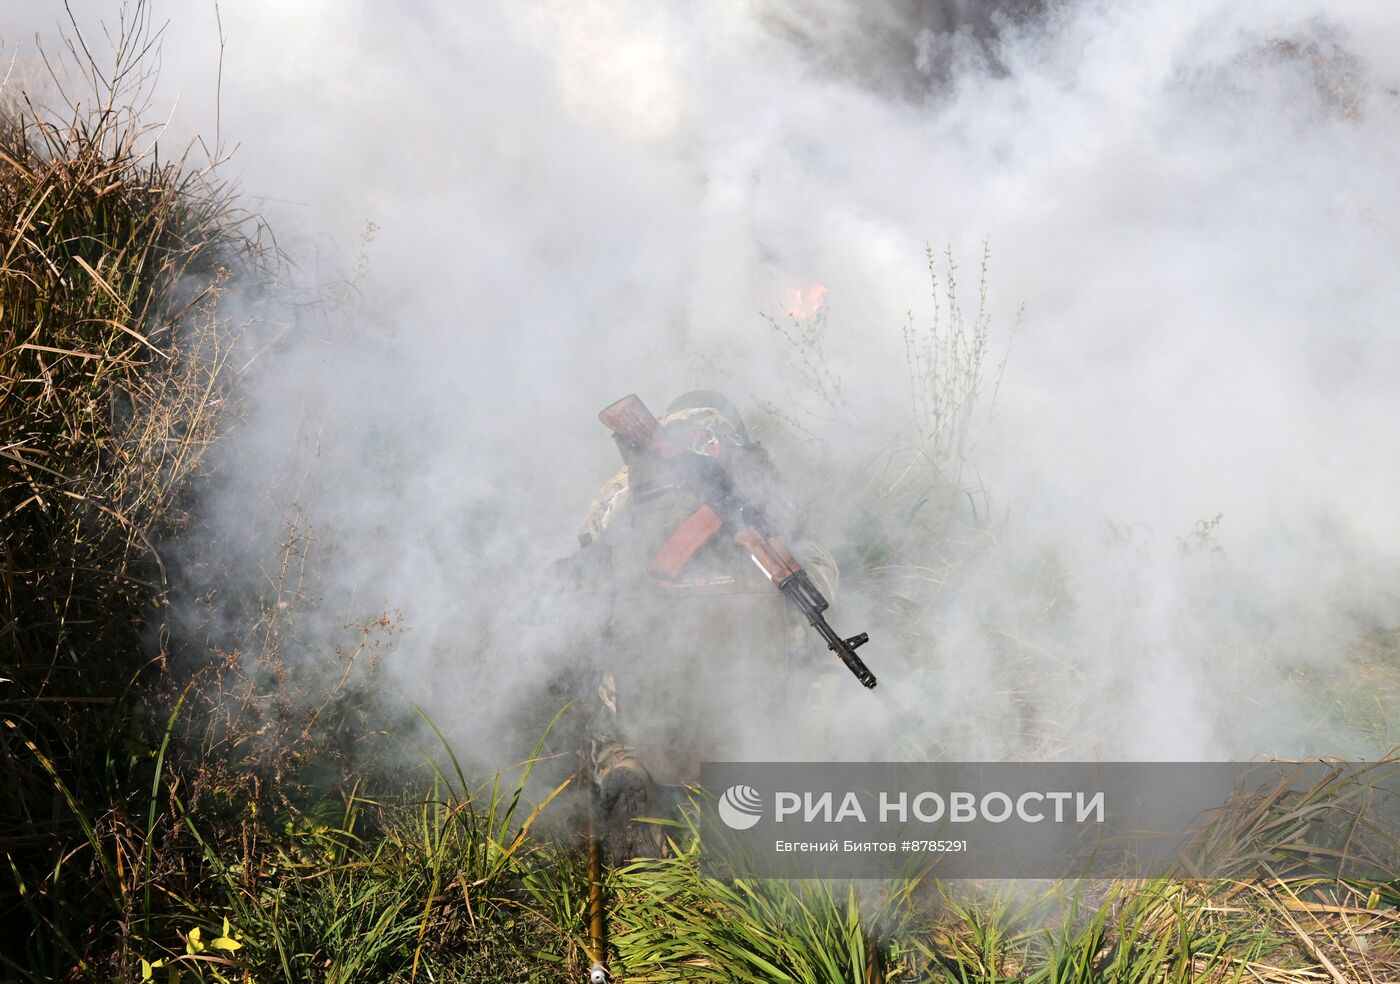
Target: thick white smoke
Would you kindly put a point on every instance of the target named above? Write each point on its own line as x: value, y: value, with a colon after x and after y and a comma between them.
x: 1193, y: 200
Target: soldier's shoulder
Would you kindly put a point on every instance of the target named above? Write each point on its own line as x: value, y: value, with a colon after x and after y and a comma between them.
x: 605, y: 505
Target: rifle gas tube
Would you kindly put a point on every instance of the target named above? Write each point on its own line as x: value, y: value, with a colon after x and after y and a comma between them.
x: 634, y: 427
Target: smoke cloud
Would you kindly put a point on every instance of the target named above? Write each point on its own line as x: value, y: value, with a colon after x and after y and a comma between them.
x: 1194, y: 201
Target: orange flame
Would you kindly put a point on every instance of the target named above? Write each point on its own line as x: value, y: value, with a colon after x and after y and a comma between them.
x: 806, y: 303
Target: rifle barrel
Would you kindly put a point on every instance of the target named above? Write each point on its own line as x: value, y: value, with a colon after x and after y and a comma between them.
x: 810, y: 602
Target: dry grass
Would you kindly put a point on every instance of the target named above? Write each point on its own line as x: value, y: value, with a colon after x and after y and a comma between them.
x: 116, y: 370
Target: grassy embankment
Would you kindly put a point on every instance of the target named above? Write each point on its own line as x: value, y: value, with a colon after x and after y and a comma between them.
x: 145, y: 834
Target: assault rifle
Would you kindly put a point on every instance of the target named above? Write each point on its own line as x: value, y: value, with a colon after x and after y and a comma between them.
x: 725, y: 508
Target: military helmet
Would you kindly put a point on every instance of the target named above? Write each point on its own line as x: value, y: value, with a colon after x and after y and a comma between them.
x: 710, y: 400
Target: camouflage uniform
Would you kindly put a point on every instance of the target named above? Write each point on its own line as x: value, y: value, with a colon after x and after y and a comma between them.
x: 701, y: 667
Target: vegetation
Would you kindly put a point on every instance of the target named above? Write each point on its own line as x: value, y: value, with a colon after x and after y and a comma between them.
x: 114, y: 375
x: 162, y: 814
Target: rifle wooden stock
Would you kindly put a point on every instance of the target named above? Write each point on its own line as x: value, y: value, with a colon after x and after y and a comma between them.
x: 630, y: 420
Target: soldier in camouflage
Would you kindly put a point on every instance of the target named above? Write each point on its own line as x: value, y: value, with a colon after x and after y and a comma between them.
x: 711, y: 666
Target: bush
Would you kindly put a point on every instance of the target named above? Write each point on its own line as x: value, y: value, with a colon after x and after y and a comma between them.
x: 115, y: 373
